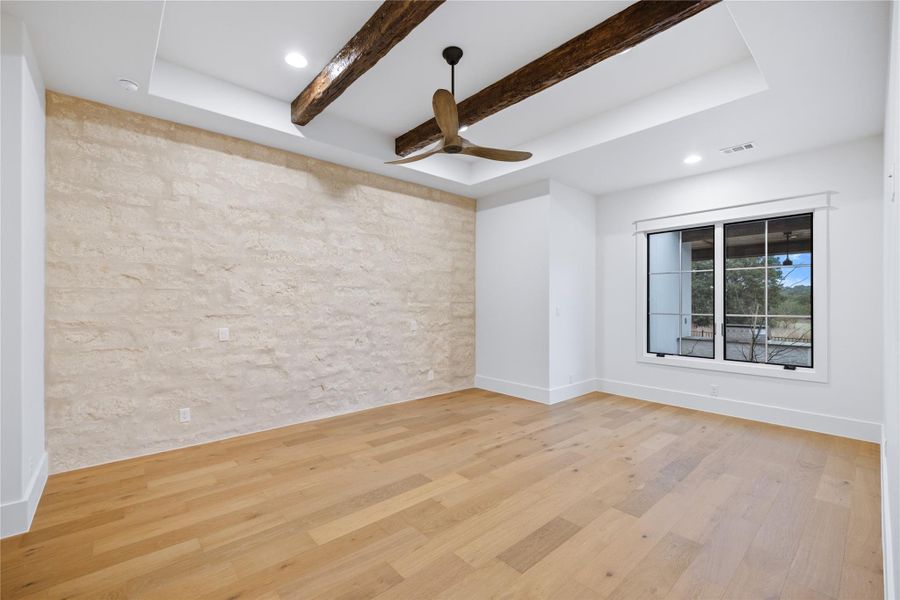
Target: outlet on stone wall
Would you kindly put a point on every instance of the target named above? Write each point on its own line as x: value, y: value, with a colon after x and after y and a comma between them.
x: 184, y: 415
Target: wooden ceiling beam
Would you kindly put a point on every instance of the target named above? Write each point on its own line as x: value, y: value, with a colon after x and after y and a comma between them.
x: 640, y: 21
x: 392, y: 22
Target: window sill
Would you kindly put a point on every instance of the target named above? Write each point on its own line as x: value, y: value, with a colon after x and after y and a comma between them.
x: 817, y: 375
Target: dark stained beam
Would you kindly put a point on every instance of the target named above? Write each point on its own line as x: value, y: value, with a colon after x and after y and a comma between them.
x: 392, y: 22
x: 625, y: 29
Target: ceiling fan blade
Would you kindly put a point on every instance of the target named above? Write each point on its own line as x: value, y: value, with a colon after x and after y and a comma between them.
x: 414, y: 158
x: 495, y: 153
x: 445, y: 113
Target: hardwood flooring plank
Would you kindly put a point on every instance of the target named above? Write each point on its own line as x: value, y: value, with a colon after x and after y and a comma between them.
x: 364, y: 586
x: 383, y: 509
x: 659, y: 570
x: 614, y: 563
x: 556, y: 571
x: 760, y: 574
x: 526, y: 553
x: 432, y: 581
x: 489, y: 581
x: 817, y: 565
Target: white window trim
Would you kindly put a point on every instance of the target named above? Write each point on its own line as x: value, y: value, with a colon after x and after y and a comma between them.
x: 818, y: 204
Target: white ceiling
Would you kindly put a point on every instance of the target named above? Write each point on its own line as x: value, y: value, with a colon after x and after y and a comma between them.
x: 244, y: 42
x: 787, y: 75
x: 395, y: 95
x: 705, y: 43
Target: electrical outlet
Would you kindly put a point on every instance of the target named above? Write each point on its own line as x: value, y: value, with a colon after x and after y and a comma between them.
x: 714, y: 390
x: 184, y: 415
x: 413, y: 326
x: 430, y: 374
x: 224, y: 334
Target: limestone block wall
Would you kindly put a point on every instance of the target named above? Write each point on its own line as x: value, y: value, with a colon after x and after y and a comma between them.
x: 341, y: 289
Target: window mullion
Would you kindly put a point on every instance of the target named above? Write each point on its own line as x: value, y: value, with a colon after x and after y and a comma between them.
x: 680, y: 291
x: 719, y: 288
x: 765, y: 357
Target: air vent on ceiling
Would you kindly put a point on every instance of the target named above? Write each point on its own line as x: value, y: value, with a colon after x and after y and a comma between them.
x: 738, y: 148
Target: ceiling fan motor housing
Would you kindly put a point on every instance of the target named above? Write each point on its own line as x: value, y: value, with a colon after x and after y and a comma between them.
x: 452, y: 54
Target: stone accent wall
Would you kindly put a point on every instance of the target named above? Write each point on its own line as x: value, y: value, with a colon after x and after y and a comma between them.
x: 158, y: 234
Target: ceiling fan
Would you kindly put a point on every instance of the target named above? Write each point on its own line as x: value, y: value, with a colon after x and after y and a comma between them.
x: 448, y: 121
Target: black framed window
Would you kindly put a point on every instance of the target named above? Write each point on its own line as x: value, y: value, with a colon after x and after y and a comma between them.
x: 681, y: 292
x: 768, y: 291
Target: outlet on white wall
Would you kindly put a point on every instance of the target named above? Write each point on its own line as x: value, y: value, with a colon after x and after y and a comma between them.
x: 714, y: 390
x: 184, y: 415
x: 224, y: 334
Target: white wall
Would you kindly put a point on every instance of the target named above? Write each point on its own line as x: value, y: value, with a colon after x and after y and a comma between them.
x: 850, y: 402
x: 891, y: 446
x: 24, y: 460
x: 534, y: 290
x: 572, y: 291
x: 512, y: 291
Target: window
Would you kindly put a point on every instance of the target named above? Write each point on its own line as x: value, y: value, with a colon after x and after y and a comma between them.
x: 681, y: 292
x: 768, y: 291
x: 741, y: 289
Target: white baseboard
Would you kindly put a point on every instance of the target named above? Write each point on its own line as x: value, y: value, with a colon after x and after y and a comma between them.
x: 798, y: 419
x: 887, y: 541
x: 535, y: 393
x: 511, y: 388
x: 16, y: 516
x: 573, y: 390
x: 842, y: 426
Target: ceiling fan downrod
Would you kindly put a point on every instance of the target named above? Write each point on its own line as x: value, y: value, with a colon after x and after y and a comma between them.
x: 452, y: 54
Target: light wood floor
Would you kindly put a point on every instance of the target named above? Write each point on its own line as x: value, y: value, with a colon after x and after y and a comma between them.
x: 469, y: 495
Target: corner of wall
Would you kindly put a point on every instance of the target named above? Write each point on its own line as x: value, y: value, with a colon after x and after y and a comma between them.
x: 511, y: 266
x: 24, y: 460
x: 525, y: 192
x: 16, y: 516
x: 887, y: 520
x: 512, y: 388
x: 890, y: 440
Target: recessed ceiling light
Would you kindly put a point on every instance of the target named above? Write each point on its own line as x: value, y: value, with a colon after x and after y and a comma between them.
x: 691, y: 159
x: 463, y: 128
x: 127, y: 84
x: 296, y: 60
